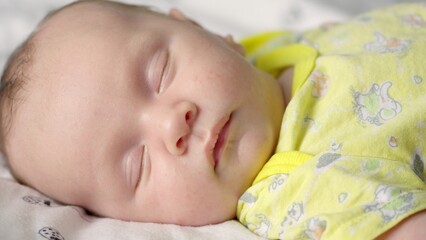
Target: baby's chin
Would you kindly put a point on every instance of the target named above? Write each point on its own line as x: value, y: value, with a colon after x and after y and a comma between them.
x: 203, y: 220
x: 201, y: 217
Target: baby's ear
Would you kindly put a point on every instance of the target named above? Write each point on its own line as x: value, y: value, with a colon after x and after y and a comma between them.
x: 178, y: 15
x: 234, y: 45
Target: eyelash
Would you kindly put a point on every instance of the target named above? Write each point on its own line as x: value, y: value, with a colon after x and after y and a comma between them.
x: 160, y: 86
x: 142, y: 165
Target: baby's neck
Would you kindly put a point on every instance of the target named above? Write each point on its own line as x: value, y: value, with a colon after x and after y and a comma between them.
x: 286, y: 81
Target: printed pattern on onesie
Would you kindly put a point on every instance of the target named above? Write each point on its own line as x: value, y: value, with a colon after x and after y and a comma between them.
x: 361, y: 113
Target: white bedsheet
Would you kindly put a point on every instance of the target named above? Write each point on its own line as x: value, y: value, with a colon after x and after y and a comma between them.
x: 27, y: 214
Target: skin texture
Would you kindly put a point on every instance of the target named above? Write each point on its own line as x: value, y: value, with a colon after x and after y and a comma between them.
x: 124, y: 110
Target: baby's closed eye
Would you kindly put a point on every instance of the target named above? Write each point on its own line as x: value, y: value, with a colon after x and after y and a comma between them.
x: 159, y: 72
x: 134, y: 163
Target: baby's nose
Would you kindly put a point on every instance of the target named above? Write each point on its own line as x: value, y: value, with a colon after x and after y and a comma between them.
x: 178, y: 127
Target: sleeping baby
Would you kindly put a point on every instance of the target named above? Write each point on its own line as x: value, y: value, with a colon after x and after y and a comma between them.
x: 143, y: 116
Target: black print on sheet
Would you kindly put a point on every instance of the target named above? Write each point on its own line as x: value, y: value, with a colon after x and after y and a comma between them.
x: 50, y: 233
x: 37, y: 201
x: 49, y: 203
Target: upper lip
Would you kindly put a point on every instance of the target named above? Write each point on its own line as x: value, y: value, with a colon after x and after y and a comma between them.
x: 212, y: 142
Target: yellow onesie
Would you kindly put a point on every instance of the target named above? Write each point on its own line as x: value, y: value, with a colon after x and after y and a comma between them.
x: 350, y: 159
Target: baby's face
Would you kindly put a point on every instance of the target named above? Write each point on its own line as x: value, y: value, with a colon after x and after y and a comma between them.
x: 142, y: 117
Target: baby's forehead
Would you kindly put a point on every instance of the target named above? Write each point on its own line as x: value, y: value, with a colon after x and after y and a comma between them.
x: 85, y: 19
x: 79, y: 23
x: 79, y: 15
x: 88, y: 12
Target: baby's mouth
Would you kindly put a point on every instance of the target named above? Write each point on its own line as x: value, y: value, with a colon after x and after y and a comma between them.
x: 220, y: 142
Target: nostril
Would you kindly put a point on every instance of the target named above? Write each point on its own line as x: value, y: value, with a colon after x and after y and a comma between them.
x: 190, y: 113
x: 188, y: 116
x: 179, y: 143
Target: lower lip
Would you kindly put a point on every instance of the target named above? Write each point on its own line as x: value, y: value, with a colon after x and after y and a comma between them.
x: 221, y: 140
